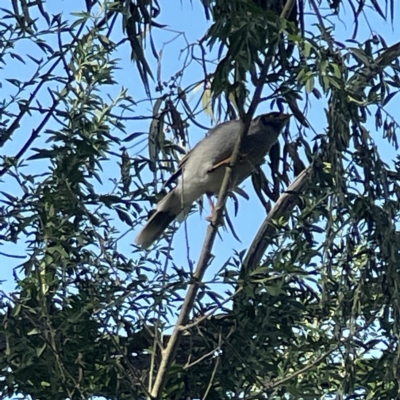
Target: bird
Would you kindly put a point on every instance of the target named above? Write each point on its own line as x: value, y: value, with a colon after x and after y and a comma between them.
x: 201, y: 171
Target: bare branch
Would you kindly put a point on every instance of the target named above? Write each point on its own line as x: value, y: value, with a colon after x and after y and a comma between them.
x: 286, y: 202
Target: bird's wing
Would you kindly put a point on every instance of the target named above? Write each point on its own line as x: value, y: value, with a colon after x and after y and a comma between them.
x: 178, y: 172
x: 207, y: 147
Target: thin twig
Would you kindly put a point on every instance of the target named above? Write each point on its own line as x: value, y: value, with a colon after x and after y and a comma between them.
x: 322, y: 25
x: 212, y: 377
x: 209, y: 314
x: 203, y: 357
x: 287, y: 9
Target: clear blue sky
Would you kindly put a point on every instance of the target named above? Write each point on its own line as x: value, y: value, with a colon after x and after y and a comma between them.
x: 187, y: 17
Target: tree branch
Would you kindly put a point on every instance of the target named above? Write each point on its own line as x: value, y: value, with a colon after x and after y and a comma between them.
x: 168, y: 354
x: 286, y: 202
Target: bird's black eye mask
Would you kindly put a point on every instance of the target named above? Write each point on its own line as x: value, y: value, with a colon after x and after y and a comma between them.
x: 269, y: 119
x: 274, y: 119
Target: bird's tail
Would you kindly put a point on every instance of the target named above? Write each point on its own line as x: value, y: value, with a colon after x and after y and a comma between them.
x: 167, y: 210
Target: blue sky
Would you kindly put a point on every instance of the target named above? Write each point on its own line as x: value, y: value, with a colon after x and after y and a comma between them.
x: 186, y: 22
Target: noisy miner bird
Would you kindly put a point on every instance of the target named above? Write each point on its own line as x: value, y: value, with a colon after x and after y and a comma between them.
x: 202, y: 170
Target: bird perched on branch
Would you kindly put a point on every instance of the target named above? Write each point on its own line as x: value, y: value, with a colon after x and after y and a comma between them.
x: 202, y: 170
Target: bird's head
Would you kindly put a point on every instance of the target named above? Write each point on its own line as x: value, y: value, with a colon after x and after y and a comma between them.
x: 273, y: 120
x: 270, y: 124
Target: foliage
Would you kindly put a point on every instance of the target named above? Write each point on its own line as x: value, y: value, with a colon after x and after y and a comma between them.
x: 89, y: 316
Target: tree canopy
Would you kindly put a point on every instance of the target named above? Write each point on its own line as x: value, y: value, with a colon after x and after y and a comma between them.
x: 93, y: 120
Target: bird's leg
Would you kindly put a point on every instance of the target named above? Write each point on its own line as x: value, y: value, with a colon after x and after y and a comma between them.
x: 224, y: 162
x: 211, y: 203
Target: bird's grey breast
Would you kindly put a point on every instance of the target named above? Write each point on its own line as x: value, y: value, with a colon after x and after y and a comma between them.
x: 214, y: 148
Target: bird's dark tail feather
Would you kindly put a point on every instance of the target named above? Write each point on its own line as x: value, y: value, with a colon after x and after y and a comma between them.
x: 157, y: 224
x: 159, y: 221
